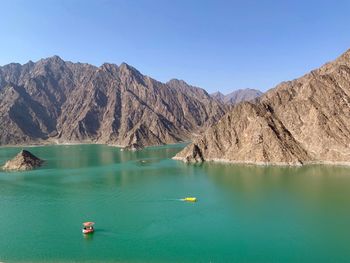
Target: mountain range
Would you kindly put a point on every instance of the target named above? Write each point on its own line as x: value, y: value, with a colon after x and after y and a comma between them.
x: 306, y: 120
x: 57, y: 101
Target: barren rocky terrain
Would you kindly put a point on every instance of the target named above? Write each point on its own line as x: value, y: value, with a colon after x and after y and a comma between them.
x: 306, y: 120
x: 56, y: 101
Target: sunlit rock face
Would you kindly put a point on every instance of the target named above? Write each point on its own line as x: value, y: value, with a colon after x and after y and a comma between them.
x: 306, y: 120
x: 57, y: 101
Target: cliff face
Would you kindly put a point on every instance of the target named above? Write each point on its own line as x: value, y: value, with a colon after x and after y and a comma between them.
x: 57, y: 101
x: 301, y: 121
x: 237, y: 96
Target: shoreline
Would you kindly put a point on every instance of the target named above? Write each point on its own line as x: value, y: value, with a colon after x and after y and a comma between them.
x: 227, y: 161
x: 50, y: 143
x: 182, y: 159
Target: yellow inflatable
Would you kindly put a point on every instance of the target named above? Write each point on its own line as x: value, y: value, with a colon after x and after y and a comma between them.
x: 189, y: 199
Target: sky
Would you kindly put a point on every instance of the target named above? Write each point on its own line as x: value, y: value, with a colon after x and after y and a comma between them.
x: 218, y: 45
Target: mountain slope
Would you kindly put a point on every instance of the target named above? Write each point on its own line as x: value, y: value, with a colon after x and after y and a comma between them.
x: 301, y: 121
x: 57, y: 101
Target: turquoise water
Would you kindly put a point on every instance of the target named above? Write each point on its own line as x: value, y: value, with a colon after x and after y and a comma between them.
x: 243, y: 213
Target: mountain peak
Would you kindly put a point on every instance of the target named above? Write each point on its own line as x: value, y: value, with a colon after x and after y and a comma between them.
x: 218, y: 95
x: 237, y: 96
x: 124, y: 67
x: 109, y: 67
x: 178, y: 81
x: 55, y: 58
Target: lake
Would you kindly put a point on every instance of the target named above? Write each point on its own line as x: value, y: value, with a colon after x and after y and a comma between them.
x: 243, y: 213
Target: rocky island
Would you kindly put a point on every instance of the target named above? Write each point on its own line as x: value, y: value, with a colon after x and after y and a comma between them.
x: 23, y: 161
x: 306, y: 120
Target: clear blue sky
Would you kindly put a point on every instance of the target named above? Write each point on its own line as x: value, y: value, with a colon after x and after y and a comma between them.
x: 217, y: 45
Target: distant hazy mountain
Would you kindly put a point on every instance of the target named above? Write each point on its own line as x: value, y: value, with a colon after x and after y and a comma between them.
x: 306, y: 120
x: 237, y: 96
x: 218, y: 96
x: 58, y: 101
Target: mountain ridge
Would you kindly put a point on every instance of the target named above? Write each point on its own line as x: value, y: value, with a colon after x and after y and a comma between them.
x: 305, y: 120
x: 57, y: 101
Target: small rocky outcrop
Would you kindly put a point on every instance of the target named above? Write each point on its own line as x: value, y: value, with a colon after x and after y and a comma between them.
x: 133, y: 147
x: 194, y: 155
x: 23, y: 161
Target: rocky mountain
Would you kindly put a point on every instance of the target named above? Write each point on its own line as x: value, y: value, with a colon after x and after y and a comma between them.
x: 218, y: 96
x: 237, y: 96
x: 57, y: 101
x: 306, y: 120
x: 23, y: 161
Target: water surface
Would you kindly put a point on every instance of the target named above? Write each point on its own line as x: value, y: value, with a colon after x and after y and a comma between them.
x: 243, y: 213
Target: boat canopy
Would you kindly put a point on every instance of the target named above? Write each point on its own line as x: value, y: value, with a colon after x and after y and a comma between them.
x: 88, y: 224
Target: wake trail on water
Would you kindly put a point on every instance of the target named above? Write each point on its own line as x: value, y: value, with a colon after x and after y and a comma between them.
x: 105, y: 232
x: 173, y: 199
x: 163, y: 200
